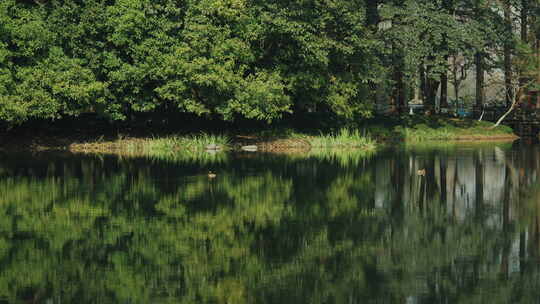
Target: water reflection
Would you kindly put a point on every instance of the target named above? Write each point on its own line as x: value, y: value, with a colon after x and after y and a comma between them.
x: 408, y: 225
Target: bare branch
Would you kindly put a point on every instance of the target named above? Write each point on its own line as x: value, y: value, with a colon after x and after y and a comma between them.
x: 519, y: 92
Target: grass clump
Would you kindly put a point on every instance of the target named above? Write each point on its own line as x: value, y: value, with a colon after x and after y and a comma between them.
x: 424, y: 132
x: 344, y: 138
x: 454, y: 130
x: 197, y: 142
x: 420, y: 127
x: 203, y: 140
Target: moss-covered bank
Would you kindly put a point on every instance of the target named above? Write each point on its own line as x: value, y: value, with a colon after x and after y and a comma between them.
x: 419, y: 128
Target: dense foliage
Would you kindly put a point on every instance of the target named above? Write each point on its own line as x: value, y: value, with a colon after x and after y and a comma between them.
x: 249, y: 59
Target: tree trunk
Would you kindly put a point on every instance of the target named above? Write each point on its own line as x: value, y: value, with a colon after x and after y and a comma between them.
x: 524, y: 16
x: 479, y: 80
x: 455, y: 80
x: 399, y: 88
x: 479, y: 62
x: 456, y: 92
x: 372, y: 14
x: 416, y: 93
x: 508, y: 53
x: 398, y: 68
x: 432, y: 86
x: 429, y: 89
x: 537, y: 49
x: 448, y: 5
x: 444, y: 90
x: 423, y: 83
x: 371, y: 23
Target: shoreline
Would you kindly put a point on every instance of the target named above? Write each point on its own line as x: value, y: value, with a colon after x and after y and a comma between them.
x: 139, y: 145
x: 368, y: 136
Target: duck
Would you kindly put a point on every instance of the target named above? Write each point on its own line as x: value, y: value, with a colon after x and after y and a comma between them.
x: 421, y: 172
x: 211, y: 174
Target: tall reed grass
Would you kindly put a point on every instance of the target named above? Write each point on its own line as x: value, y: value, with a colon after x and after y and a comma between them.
x: 197, y: 142
x: 344, y: 138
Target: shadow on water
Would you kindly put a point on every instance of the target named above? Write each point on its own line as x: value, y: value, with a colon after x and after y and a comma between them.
x: 412, y: 224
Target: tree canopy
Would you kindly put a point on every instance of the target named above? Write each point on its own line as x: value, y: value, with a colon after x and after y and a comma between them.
x: 249, y: 59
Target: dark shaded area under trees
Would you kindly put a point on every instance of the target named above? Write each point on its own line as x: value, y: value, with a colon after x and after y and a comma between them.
x: 249, y: 62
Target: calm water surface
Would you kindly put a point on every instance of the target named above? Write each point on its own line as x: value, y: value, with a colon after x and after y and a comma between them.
x: 405, y: 225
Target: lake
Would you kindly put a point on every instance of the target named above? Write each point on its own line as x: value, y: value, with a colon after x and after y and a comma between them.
x: 409, y: 224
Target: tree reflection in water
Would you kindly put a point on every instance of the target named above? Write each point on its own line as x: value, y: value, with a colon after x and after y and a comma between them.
x: 317, y: 228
